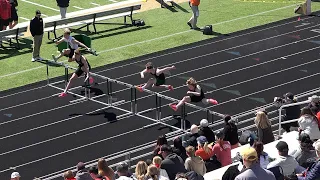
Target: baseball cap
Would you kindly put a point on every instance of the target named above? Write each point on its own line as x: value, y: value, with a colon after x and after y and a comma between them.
x: 282, y: 146
x: 202, y: 139
x: 204, y: 123
x: 80, y: 166
x: 15, y: 174
x: 38, y: 12
x: 289, y: 95
x: 249, y: 154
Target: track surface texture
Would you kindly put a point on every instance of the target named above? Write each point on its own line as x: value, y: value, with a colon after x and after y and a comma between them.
x: 43, y: 134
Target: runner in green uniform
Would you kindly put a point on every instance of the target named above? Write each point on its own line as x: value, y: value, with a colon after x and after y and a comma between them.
x: 159, y: 79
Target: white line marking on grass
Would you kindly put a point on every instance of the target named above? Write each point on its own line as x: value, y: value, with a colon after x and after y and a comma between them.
x: 24, y: 18
x: 40, y: 5
x: 77, y: 7
x: 44, y: 15
x: 95, y: 4
x: 113, y: 1
x: 129, y: 45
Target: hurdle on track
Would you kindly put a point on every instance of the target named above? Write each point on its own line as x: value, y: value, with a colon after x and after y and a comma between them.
x: 133, y: 98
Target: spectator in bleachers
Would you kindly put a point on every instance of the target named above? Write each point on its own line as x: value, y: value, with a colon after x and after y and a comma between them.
x: 172, y: 163
x: 194, y: 163
x: 292, y: 112
x: 160, y: 141
x: 179, y: 149
x: 95, y: 173
x: 263, y: 125
x: 206, y: 131
x: 288, y: 164
x: 252, y: 170
x: 222, y: 149
x: 68, y: 175
x: 36, y: 29
x: 192, y: 139
x: 231, y: 132
x: 157, y: 162
x: 149, y: 162
x: 154, y: 173
x: 123, y: 172
x: 15, y: 176
x: 314, y: 104
x: 63, y: 5
x: 263, y: 157
x: 306, y: 153
x: 313, y: 172
x: 181, y: 176
x: 308, y: 124
x: 105, y: 170
x: 204, y: 150
x: 13, y: 21
x: 141, y: 171
x: 82, y: 172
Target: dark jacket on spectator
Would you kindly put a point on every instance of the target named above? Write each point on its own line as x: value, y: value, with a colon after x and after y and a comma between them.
x: 265, y: 135
x: 173, y: 164
x: 231, y: 133
x: 192, y: 141
x: 208, y: 133
x: 83, y: 175
x: 292, y: 112
x: 36, y: 26
x: 180, y: 152
x: 63, y: 3
x: 313, y: 172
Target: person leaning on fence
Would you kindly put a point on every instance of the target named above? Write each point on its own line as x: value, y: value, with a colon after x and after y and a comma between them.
x: 36, y: 29
x: 73, y: 45
x: 13, y: 21
x: 63, y: 5
x: 195, y: 14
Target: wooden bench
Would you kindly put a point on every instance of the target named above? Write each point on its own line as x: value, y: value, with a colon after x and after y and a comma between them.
x: 163, y: 2
x: 10, y: 34
x: 91, y: 19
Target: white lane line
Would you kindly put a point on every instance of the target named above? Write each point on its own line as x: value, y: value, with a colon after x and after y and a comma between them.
x: 40, y: 5
x: 113, y: 1
x: 141, y: 42
x: 13, y: 94
x: 223, y: 50
x: 77, y: 7
x: 73, y: 149
x: 29, y: 102
x: 24, y: 18
x: 35, y: 114
x: 55, y: 138
x: 95, y: 4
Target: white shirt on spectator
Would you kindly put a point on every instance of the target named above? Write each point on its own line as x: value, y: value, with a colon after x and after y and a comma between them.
x: 164, y: 173
x: 264, y: 160
x: 160, y: 178
x: 288, y: 164
x: 309, y: 125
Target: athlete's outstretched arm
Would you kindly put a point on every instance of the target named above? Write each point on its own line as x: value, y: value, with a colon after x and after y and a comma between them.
x: 196, y: 93
x: 142, y: 73
x: 159, y: 71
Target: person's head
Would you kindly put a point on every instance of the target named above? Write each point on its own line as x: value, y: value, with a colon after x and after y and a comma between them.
x: 316, y: 146
x: 177, y: 142
x: 314, y: 100
x: 165, y: 150
x: 149, y: 162
x: 249, y: 156
x: 38, y: 13
x: 190, y: 151
x: 258, y: 146
x: 153, y: 172
x: 204, y: 123
x: 103, y: 168
x: 15, y: 176
x: 66, y: 33
x: 306, y: 111
x: 219, y: 136
x: 93, y: 170
x: 157, y: 161
x: 77, y: 53
x: 191, y: 83
x: 227, y: 118
x: 262, y: 120
x: 282, y: 148
x: 149, y: 67
x: 305, y: 140
x: 122, y: 169
x: 162, y: 140
x: 141, y: 170
x: 68, y: 174
x: 194, y: 129
x: 203, y: 144
x: 81, y: 166
x: 181, y: 176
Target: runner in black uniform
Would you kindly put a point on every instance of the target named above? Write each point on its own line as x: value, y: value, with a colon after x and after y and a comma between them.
x: 83, y: 67
x: 195, y: 94
x: 159, y: 79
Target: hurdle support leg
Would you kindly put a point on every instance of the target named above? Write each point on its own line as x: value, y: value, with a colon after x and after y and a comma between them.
x: 157, y: 112
x: 48, y: 81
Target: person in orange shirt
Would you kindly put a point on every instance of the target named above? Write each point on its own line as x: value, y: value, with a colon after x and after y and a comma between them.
x: 195, y: 14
